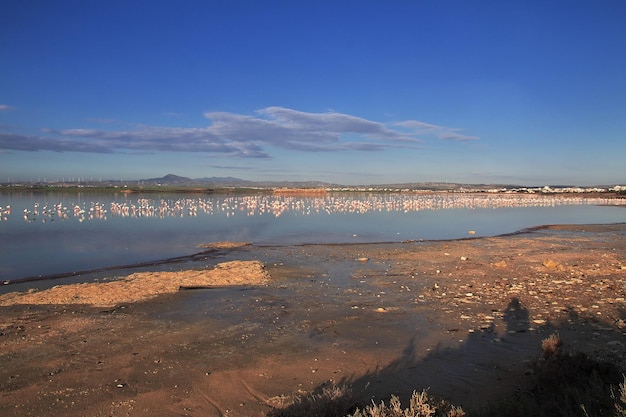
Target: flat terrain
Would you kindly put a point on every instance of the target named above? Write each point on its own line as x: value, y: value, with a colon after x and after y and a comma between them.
x: 464, y: 318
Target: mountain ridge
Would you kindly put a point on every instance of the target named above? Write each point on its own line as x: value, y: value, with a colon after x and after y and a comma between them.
x: 173, y: 180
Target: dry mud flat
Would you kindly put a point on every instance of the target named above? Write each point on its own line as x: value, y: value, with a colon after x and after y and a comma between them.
x: 464, y: 318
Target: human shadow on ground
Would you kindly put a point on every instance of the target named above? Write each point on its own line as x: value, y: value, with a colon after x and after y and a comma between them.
x: 488, y: 368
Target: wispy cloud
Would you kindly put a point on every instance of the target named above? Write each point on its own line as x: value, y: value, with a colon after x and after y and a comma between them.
x: 452, y: 135
x: 166, y: 139
x: 441, y: 132
x: 242, y: 135
x: 19, y: 142
x: 4, y: 107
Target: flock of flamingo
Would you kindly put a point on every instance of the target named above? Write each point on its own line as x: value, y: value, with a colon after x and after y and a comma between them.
x: 277, y: 205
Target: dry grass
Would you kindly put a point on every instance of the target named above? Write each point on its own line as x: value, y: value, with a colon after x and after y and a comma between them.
x: 620, y: 400
x: 330, y: 400
x: 551, y: 346
x: 420, y: 405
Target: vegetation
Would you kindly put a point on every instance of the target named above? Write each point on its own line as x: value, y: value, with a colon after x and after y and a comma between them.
x: 330, y: 401
x: 563, y: 385
x: 420, y: 405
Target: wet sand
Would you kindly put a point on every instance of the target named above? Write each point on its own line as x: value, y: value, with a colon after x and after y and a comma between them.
x: 464, y: 318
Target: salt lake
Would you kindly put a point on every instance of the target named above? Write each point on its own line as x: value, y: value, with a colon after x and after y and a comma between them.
x: 46, y: 233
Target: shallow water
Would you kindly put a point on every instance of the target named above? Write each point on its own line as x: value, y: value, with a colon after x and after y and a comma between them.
x: 53, y: 233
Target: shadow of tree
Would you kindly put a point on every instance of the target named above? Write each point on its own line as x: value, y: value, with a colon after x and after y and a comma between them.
x: 490, y: 373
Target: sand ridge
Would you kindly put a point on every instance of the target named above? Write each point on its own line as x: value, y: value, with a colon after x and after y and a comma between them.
x: 143, y: 285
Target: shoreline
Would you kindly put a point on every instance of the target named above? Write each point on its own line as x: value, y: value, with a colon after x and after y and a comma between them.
x: 100, y: 247
x: 463, y: 317
x: 222, y: 248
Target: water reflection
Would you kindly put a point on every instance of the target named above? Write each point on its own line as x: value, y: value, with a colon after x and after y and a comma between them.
x: 53, y: 233
x: 260, y: 205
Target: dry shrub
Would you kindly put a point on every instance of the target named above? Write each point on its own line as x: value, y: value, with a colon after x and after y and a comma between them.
x: 551, y: 346
x: 329, y: 400
x: 337, y: 401
x: 420, y: 405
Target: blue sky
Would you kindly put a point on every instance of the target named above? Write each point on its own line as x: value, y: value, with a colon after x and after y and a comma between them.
x: 351, y: 92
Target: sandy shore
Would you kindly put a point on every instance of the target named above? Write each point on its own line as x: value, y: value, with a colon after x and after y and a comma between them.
x: 464, y: 318
x: 143, y: 286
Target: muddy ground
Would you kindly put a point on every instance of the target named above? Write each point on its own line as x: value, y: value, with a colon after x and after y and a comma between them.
x: 465, y: 318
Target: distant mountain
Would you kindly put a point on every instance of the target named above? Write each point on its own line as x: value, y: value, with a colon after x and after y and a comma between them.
x: 169, y: 179
x: 221, y: 182
x: 173, y: 180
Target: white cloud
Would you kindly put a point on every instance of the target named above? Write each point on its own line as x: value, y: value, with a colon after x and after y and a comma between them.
x: 418, y: 126
x: 242, y: 135
x: 4, y: 107
x: 331, y: 122
x: 291, y: 129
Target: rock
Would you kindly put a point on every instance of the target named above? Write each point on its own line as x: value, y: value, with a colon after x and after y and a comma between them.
x: 549, y: 263
x: 501, y: 264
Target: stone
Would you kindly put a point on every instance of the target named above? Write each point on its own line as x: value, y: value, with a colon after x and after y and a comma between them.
x: 549, y: 263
